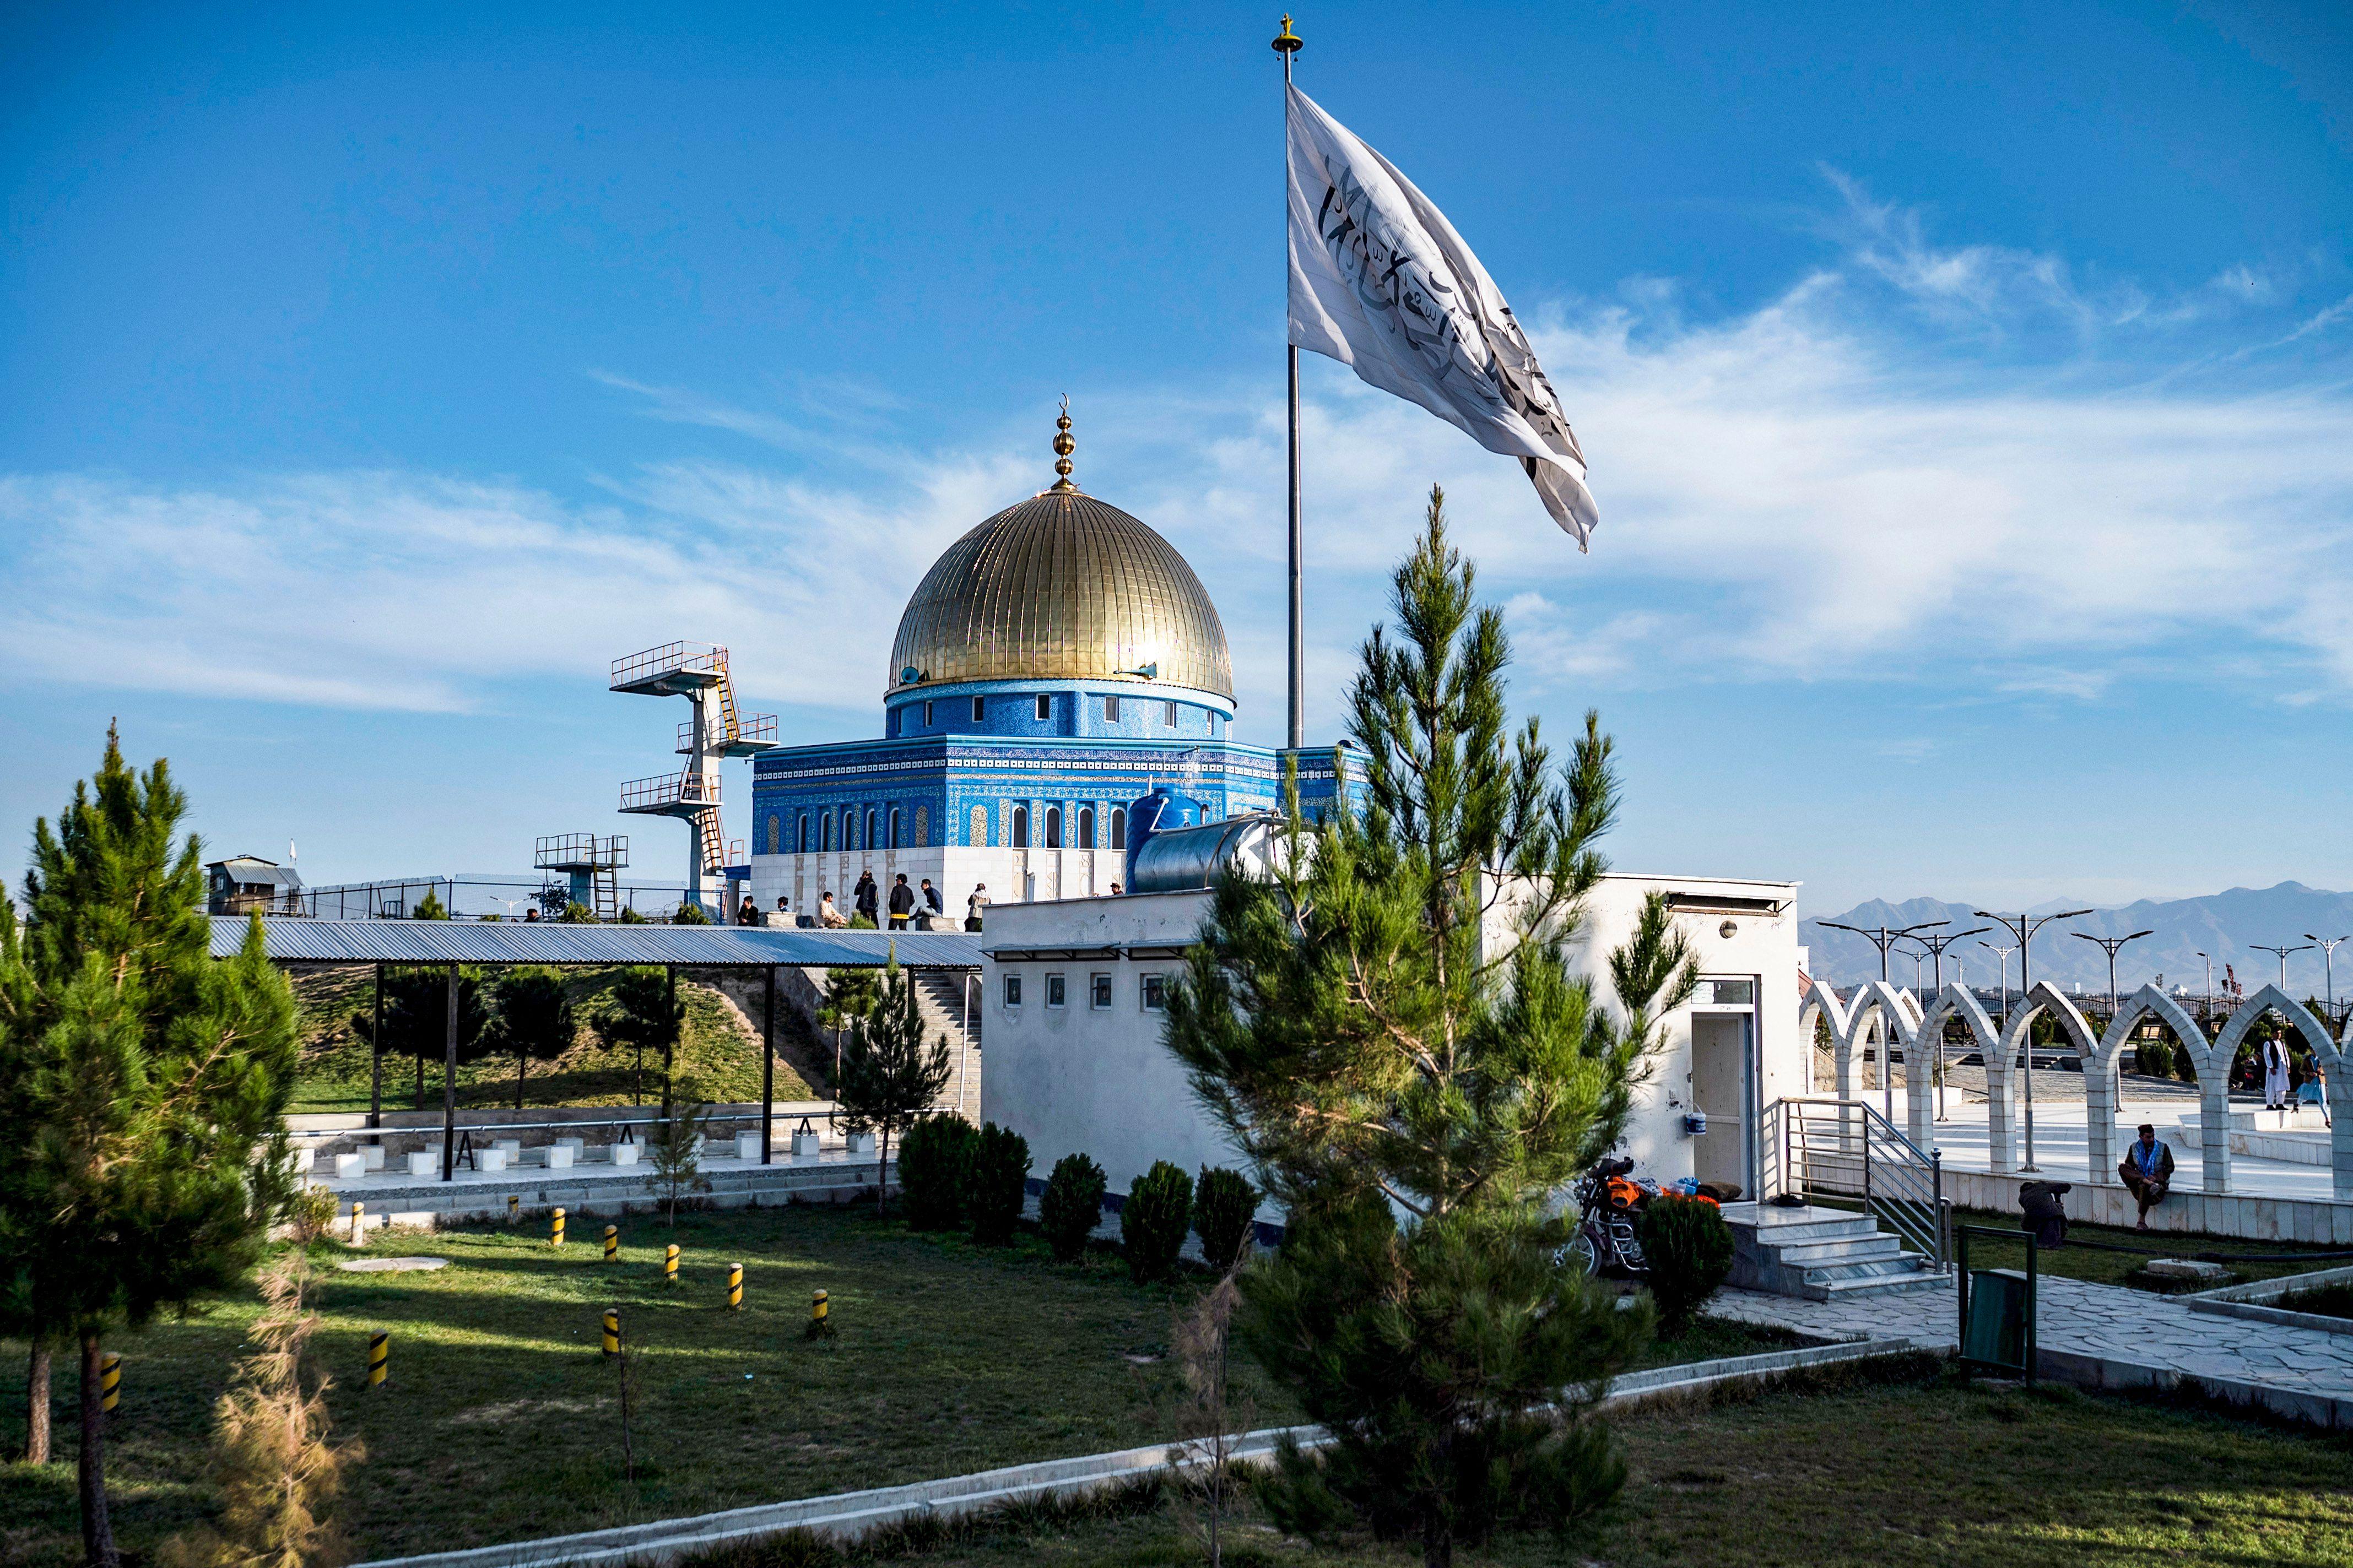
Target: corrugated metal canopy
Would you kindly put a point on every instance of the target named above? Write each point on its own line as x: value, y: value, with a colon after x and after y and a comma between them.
x: 292, y: 940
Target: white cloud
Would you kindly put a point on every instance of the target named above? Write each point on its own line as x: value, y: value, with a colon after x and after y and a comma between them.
x: 1812, y: 490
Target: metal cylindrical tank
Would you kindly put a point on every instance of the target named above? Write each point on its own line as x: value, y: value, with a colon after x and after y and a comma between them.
x: 1187, y: 857
x: 1162, y: 811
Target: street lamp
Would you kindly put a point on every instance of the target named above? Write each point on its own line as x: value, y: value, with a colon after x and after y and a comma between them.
x: 2329, y: 970
x: 1935, y: 944
x: 2282, y: 952
x: 1882, y: 938
x: 2206, y: 1017
x: 2002, y: 954
x: 2108, y: 944
x: 2024, y: 928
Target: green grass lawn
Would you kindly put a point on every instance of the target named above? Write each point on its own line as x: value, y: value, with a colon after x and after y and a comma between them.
x: 1933, y: 1473
x: 500, y: 1420
x: 716, y: 1054
x: 2101, y: 1267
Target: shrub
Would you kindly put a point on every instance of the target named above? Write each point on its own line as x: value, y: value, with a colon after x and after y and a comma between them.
x: 311, y: 1212
x: 998, y: 1179
x: 2153, y: 1059
x: 1690, y: 1248
x: 1224, y: 1204
x: 1072, y: 1206
x: 932, y: 1171
x: 1152, y: 1226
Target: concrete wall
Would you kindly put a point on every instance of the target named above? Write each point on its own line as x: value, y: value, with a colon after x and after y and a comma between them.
x: 1100, y: 1081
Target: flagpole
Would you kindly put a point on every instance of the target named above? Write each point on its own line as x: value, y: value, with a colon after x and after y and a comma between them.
x: 1288, y: 44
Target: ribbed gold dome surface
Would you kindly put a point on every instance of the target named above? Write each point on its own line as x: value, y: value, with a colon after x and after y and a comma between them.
x: 1061, y: 587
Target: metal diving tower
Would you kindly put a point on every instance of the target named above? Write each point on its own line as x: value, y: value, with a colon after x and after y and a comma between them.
x: 698, y: 672
x: 591, y: 864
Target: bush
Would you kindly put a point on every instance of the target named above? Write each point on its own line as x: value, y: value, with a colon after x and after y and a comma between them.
x: 1224, y: 1205
x: 1690, y: 1248
x: 1072, y: 1206
x: 311, y: 1212
x: 1152, y: 1226
x: 933, y: 1156
x: 997, y: 1181
x: 2153, y: 1059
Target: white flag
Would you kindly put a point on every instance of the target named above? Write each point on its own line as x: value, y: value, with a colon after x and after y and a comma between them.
x: 1379, y: 280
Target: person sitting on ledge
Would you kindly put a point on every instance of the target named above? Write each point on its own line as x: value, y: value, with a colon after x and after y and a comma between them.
x: 2147, y: 1170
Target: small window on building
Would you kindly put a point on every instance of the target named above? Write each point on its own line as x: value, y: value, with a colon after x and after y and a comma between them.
x: 1021, y: 827
x: 1086, y: 828
x: 1155, y: 989
x: 894, y: 827
x: 1054, y: 996
x: 1111, y: 709
x: 1099, y: 991
x: 800, y: 835
x: 975, y: 710
x: 870, y: 829
x: 1053, y: 828
x: 1013, y: 990
x: 927, y: 715
x: 1045, y: 706
x: 1169, y: 714
x: 1118, y: 828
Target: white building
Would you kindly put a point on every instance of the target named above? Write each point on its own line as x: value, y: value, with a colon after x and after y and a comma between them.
x: 1076, y: 1063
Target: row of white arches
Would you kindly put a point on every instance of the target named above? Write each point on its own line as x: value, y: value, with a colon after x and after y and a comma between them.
x: 1879, y: 1012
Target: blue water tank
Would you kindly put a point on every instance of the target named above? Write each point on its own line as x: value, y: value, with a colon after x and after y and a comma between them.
x: 1162, y: 811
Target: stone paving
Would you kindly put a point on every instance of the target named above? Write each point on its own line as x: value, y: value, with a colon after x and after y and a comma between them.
x: 2307, y: 1373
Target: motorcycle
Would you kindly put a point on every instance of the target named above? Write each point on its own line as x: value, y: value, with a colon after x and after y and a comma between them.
x: 1610, y: 1202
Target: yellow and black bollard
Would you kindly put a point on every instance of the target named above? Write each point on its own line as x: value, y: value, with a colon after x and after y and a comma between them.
x: 555, y: 1236
x: 514, y: 1208
x: 820, y: 1325
x: 359, y: 1222
x: 734, y: 1286
x: 109, y: 1382
x: 612, y: 1331
x: 669, y: 1265
x: 612, y: 1244
x: 379, y: 1358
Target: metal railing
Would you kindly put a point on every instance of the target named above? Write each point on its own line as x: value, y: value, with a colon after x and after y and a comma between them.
x: 630, y: 668
x: 1844, y: 1149
x: 751, y: 727
x: 589, y: 852
x: 686, y: 787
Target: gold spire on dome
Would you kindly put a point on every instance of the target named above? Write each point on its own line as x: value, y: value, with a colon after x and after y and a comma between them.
x: 1288, y: 42
x: 1063, y: 446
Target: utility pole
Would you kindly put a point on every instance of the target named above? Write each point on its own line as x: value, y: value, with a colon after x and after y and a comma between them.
x: 2109, y: 944
x: 1882, y: 938
x: 2206, y: 1007
x: 2024, y: 928
x: 2002, y: 953
x: 1935, y: 945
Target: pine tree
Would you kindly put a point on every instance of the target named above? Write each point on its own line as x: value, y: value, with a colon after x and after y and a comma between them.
x: 143, y: 1085
x: 849, y: 993
x: 889, y: 1078
x: 534, y: 1020
x: 278, y: 1469
x: 430, y: 907
x: 643, y: 1009
x: 1389, y: 1025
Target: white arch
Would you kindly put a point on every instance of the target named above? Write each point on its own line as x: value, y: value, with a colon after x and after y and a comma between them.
x: 2018, y: 1036
x: 1955, y: 1001
x: 2330, y: 1052
x: 2213, y: 1086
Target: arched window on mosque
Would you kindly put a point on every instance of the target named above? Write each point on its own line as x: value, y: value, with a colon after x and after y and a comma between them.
x: 775, y: 834
x: 1118, y: 828
x: 1053, y: 828
x: 894, y: 827
x: 848, y: 828
x: 979, y: 827
x: 801, y: 834
x: 870, y: 831
x: 1021, y: 827
x: 1086, y: 828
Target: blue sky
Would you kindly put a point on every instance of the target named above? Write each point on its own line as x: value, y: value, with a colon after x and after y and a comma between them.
x: 1966, y: 391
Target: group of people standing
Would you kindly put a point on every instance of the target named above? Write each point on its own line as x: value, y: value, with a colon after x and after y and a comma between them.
x: 919, y: 909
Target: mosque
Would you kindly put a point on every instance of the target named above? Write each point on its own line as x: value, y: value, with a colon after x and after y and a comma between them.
x: 1056, y: 665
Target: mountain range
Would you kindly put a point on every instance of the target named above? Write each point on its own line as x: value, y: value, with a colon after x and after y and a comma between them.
x: 2225, y: 926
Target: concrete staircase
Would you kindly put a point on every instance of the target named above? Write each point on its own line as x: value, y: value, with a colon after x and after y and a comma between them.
x: 1820, y: 1254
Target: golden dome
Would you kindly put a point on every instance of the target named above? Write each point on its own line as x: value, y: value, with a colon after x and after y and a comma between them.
x: 1061, y: 587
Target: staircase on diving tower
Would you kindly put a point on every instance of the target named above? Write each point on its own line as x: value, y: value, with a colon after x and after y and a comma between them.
x: 698, y: 672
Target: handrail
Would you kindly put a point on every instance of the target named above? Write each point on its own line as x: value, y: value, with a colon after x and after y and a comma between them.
x: 1847, y: 1148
